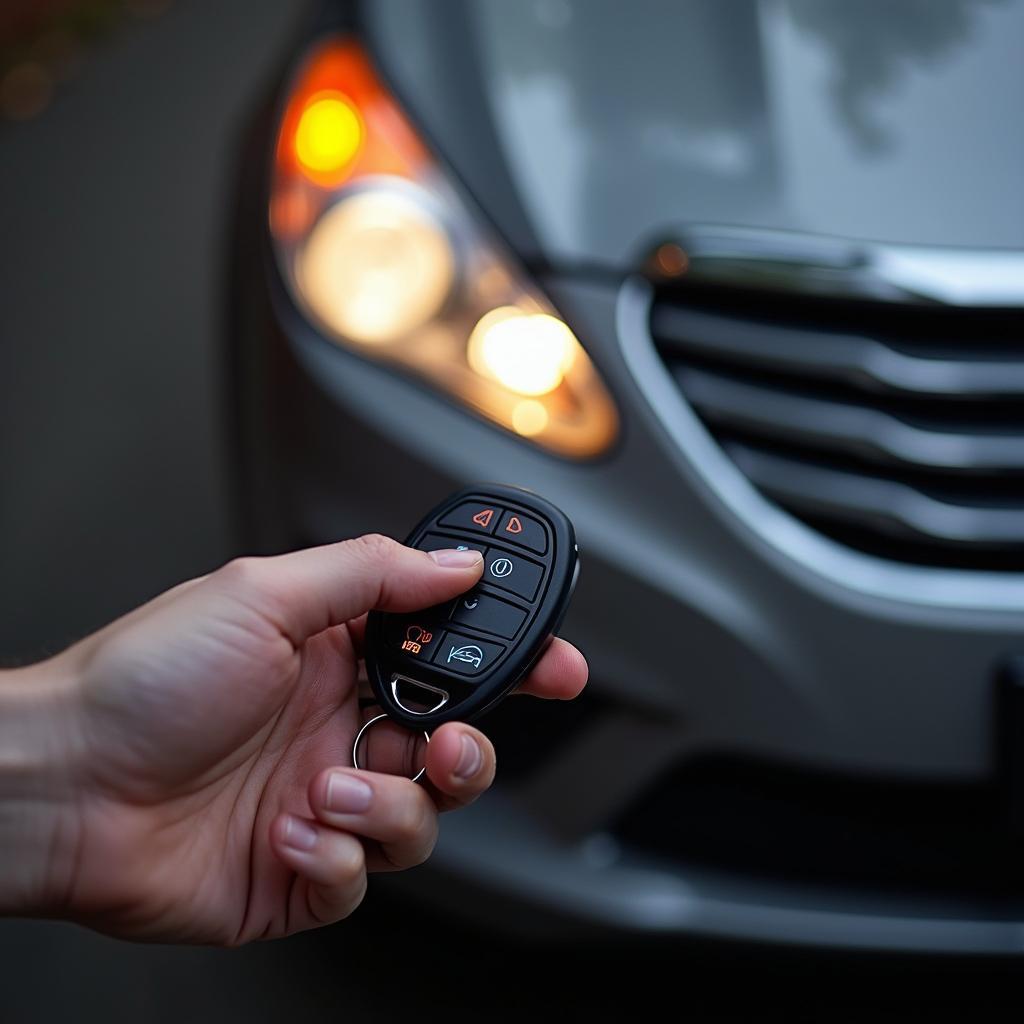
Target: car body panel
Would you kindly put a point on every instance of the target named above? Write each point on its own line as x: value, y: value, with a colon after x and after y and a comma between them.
x: 771, y: 114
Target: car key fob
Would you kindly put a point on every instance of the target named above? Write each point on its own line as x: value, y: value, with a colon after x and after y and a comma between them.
x: 457, y: 659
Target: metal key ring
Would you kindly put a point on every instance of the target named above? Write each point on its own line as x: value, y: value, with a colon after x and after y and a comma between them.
x: 359, y: 738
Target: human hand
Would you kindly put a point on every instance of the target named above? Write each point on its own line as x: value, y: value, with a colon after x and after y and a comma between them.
x: 206, y: 792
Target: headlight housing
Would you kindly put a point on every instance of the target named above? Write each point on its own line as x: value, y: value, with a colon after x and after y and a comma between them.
x: 382, y: 254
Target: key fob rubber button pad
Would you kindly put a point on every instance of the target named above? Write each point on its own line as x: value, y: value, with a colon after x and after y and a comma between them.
x: 484, y: 642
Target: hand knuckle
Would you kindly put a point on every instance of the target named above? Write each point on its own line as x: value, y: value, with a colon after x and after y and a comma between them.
x: 243, y: 572
x: 348, y: 865
x: 357, y: 898
x: 375, y: 547
x: 424, y: 851
x: 417, y: 819
x: 339, y: 902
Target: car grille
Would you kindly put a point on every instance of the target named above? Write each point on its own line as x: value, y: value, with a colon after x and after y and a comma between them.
x: 894, y: 428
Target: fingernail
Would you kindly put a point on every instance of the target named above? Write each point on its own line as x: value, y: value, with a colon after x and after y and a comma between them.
x: 470, y: 758
x: 452, y: 559
x: 347, y: 794
x: 298, y: 835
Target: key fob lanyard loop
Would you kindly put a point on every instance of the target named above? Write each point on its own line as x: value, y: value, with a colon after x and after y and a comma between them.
x: 365, y: 728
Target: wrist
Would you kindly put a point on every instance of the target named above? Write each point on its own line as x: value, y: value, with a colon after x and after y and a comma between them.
x: 39, y: 804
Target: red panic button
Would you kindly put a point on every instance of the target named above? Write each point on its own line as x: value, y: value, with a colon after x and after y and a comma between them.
x: 515, y: 528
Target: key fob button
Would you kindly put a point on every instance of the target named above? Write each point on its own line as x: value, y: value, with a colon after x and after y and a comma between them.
x: 415, y: 638
x: 474, y: 515
x: 490, y: 614
x: 512, y: 572
x: 438, y: 542
x: 468, y: 656
x: 516, y: 528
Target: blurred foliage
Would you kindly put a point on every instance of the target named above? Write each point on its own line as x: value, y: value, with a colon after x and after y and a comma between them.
x: 43, y: 43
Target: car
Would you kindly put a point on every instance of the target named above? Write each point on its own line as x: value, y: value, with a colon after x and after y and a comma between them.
x: 739, y: 287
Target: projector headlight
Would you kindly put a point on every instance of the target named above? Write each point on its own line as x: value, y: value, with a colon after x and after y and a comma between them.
x: 384, y: 257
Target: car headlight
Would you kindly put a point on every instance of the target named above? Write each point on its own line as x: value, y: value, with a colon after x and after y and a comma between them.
x: 382, y: 254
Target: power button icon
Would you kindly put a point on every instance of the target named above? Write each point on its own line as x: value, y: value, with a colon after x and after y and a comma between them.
x: 501, y: 567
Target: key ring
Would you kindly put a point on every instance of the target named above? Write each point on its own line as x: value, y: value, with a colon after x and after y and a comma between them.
x: 359, y: 738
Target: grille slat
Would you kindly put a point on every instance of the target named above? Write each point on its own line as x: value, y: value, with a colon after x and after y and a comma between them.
x: 885, y: 504
x: 834, y: 355
x: 872, y: 434
x: 895, y: 429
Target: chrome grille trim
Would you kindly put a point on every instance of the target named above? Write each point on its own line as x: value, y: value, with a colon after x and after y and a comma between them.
x: 761, y: 524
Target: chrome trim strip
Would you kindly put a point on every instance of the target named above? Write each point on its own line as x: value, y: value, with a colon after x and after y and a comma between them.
x: 824, y: 265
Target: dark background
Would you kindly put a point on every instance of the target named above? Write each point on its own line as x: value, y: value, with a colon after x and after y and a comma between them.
x: 117, y: 200
x: 116, y: 209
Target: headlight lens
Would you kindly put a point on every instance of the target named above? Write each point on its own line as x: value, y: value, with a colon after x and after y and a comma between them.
x: 529, y: 353
x: 376, y: 266
x: 382, y: 254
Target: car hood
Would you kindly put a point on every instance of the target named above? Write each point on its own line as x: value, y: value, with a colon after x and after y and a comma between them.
x: 616, y: 124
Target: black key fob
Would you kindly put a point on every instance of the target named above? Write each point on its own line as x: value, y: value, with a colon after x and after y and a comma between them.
x: 458, y: 659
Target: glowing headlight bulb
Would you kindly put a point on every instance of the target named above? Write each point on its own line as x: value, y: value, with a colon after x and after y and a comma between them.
x: 528, y: 353
x: 376, y: 266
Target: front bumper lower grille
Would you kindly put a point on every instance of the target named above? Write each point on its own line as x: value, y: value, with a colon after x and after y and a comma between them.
x: 781, y: 822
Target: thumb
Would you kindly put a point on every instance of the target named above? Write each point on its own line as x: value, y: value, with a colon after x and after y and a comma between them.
x: 306, y: 592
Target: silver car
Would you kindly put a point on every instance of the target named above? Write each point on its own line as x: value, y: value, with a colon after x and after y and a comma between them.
x: 738, y: 286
